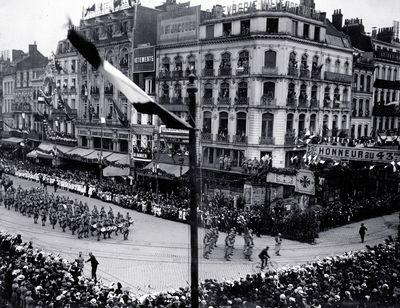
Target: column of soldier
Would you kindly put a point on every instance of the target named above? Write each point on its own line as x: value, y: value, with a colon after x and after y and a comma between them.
x: 211, y: 238
x: 74, y: 215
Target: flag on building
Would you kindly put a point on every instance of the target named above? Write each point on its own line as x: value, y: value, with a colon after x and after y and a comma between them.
x: 121, y: 116
x: 141, y: 101
x: 117, y: 3
x: 90, y: 9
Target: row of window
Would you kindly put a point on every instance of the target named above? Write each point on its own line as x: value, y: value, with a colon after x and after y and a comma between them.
x: 362, y: 83
x: 362, y: 109
x: 387, y: 73
x: 384, y: 123
x: 267, y: 123
x: 8, y: 87
x: 386, y: 96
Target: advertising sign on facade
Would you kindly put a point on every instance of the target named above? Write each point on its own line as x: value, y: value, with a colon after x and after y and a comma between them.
x: 144, y: 59
x: 355, y: 154
x: 305, y: 182
x: 180, y: 25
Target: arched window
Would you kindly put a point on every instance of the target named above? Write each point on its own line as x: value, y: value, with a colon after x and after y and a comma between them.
x: 337, y: 66
x: 178, y: 63
x: 292, y: 61
x: 366, y: 112
x: 207, y: 118
x: 241, y: 122
x: 344, y: 121
x: 304, y: 64
x: 269, y: 90
x: 291, y: 91
x: 270, y: 59
x: 165, y: 64
x: 362, y: 81
x: 368, y: 85
x: 178, y: 90
x: 209, y: 61
x: 360, y: 107
x: 267, y: 125
x: 223, y: 124
x: 243, y: 59
x: 355, y: 81
x: 314, y: 92
x: 242, y: 89
x: 165, y: 90
x: 335, y: 122
x: 359, y: 131
x: 389, y: 73
x: 123, y: 62
x: 325, y: 125
x: 328, y: 64
x: 336, y: 95
x: 225, y: 60
x: 302, y: 122
x: 208, y: 90
x: 109, y: 57
x: 313, y: 123
x: 191, y: 63
x: 289, y: 122
x: 346, y: 67
x: 346, y: 95
x: 224, y: 90
x: 303, y: 93
x: 395, y: 74
x: 327, y: 94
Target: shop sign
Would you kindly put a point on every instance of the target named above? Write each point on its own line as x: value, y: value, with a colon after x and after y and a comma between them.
x: 305, y: 182
x: 261, y: 5
x: 353, y: 154
x: 144, y: 59
x: 282, y: 179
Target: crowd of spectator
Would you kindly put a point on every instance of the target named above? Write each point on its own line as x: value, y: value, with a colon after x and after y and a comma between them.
x: 366, y: 278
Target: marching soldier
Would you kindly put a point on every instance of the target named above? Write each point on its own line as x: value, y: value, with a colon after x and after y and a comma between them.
x: 229, y: 245
x: 99, y: 227
x: 44, y: 217
x: 35, y: 214
x: 125, y: 230
x: 208, y: 243
x: 248, y: 244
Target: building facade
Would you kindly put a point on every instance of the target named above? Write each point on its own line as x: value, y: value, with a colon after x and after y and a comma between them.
x: 266, y: 78
x: 115, y: 32
x: 8, y: 98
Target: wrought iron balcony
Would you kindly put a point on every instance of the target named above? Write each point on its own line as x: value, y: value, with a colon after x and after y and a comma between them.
x: 240, y: 139
x: 241, y: 101
x: 208, y: 100
x: 314, y: 103
x: 177, y: 74
x: 164, y: 74
x: 303, y: 102
x: 165, y: 100
x: 208, y: 72
x: 225, y: 71
x: 240, y: 71
x: 268, y: 101
x: 387, y: 55
x: 292, y: 71
x: 224, y: 100
x: 177, y: 100
x: 304, y: 73
x: 269, y: 70
x: 291, y: 102
x: 206, y: 137
x: 337, y: 77
x: 267, y: 140
x: 290, y: 138
x: 316, y: 74
x: 222, y: 138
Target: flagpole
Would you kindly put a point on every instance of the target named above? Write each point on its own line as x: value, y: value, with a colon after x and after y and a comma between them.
x: 194, y: 191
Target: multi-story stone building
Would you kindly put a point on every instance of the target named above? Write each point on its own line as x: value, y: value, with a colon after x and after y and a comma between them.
x: 266, y: 76
x: 115, y: 31
x: 29, y: 76
x: 8, y: 98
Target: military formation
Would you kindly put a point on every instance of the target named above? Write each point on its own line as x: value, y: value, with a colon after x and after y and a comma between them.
x: 67, y: 213
x: 211, y: 238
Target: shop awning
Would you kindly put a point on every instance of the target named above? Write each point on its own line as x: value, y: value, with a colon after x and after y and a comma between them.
x: 32, y: 154
x: 123, y: 161
x: 82, y: 152
x: 46, y: 147
x: 12, y: 140
x: 115, y: 171
x: 38, y: 154
x: 116, y: 157
x: 64, y: 149
x: 96, y: 154
x: 169, y: 168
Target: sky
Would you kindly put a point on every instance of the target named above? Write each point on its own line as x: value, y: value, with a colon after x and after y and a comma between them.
x: 23, y: 22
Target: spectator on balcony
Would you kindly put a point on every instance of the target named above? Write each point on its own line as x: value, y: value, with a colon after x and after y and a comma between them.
x: 221, y: 162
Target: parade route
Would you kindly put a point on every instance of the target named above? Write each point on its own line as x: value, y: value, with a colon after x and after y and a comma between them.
x: 156, y: 256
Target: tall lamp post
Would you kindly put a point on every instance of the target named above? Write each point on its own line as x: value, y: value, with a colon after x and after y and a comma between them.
x: 102, y: 122
x: 194, y: 265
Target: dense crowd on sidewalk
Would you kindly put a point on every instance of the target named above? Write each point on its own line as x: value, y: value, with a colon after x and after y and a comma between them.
x: 222, y: 212
x: 367, y: 278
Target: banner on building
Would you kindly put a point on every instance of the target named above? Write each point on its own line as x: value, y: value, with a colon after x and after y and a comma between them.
x: 180, y: 25
x: 144, y: 59
x: 305, y: 182
x: 247, y: 194
x: 355, y: 154
x: 283, y: 179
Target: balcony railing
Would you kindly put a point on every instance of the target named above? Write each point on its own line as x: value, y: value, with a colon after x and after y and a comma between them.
x: 164, y: 74
x: 267, y: 140
x: 269, y: 70
x: 303, y: 102
x: 385, y: 111
x: 387, y: 55
x: 240, y: 71
x: 314, y: 103
x: 206, y: 137
x: 177, y: 100
x: 337, y: 77
x: 225, y: 71
x: 290, y: 138
x: 224, y: 100
x: 177, y: 74
x: 291, y: 102
x: 208, y: 100
x: 165, y: 100
x: 292, y: 71
x: 267, y: 101
x: 304, y: 73
x: 316, y: 74
x: 240, y: 139
x: 241, y: 100
x: 208, y: 72
x: 222, y: 138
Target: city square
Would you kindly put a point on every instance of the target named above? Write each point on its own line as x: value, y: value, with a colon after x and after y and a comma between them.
x: 222, y: 154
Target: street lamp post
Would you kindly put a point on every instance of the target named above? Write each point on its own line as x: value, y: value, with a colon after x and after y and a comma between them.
x: 102, y: 121
x: 194, y: 266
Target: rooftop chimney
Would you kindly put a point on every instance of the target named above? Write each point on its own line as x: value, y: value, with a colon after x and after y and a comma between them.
x: 374, y: 32
x: 337, y: 19
x: 32, y: 48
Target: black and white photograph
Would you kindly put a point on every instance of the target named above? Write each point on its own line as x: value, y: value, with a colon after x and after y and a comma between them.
x: 200, y: 154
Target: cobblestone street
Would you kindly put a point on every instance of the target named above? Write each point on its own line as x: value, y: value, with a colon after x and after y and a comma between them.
x: 156, y: 256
